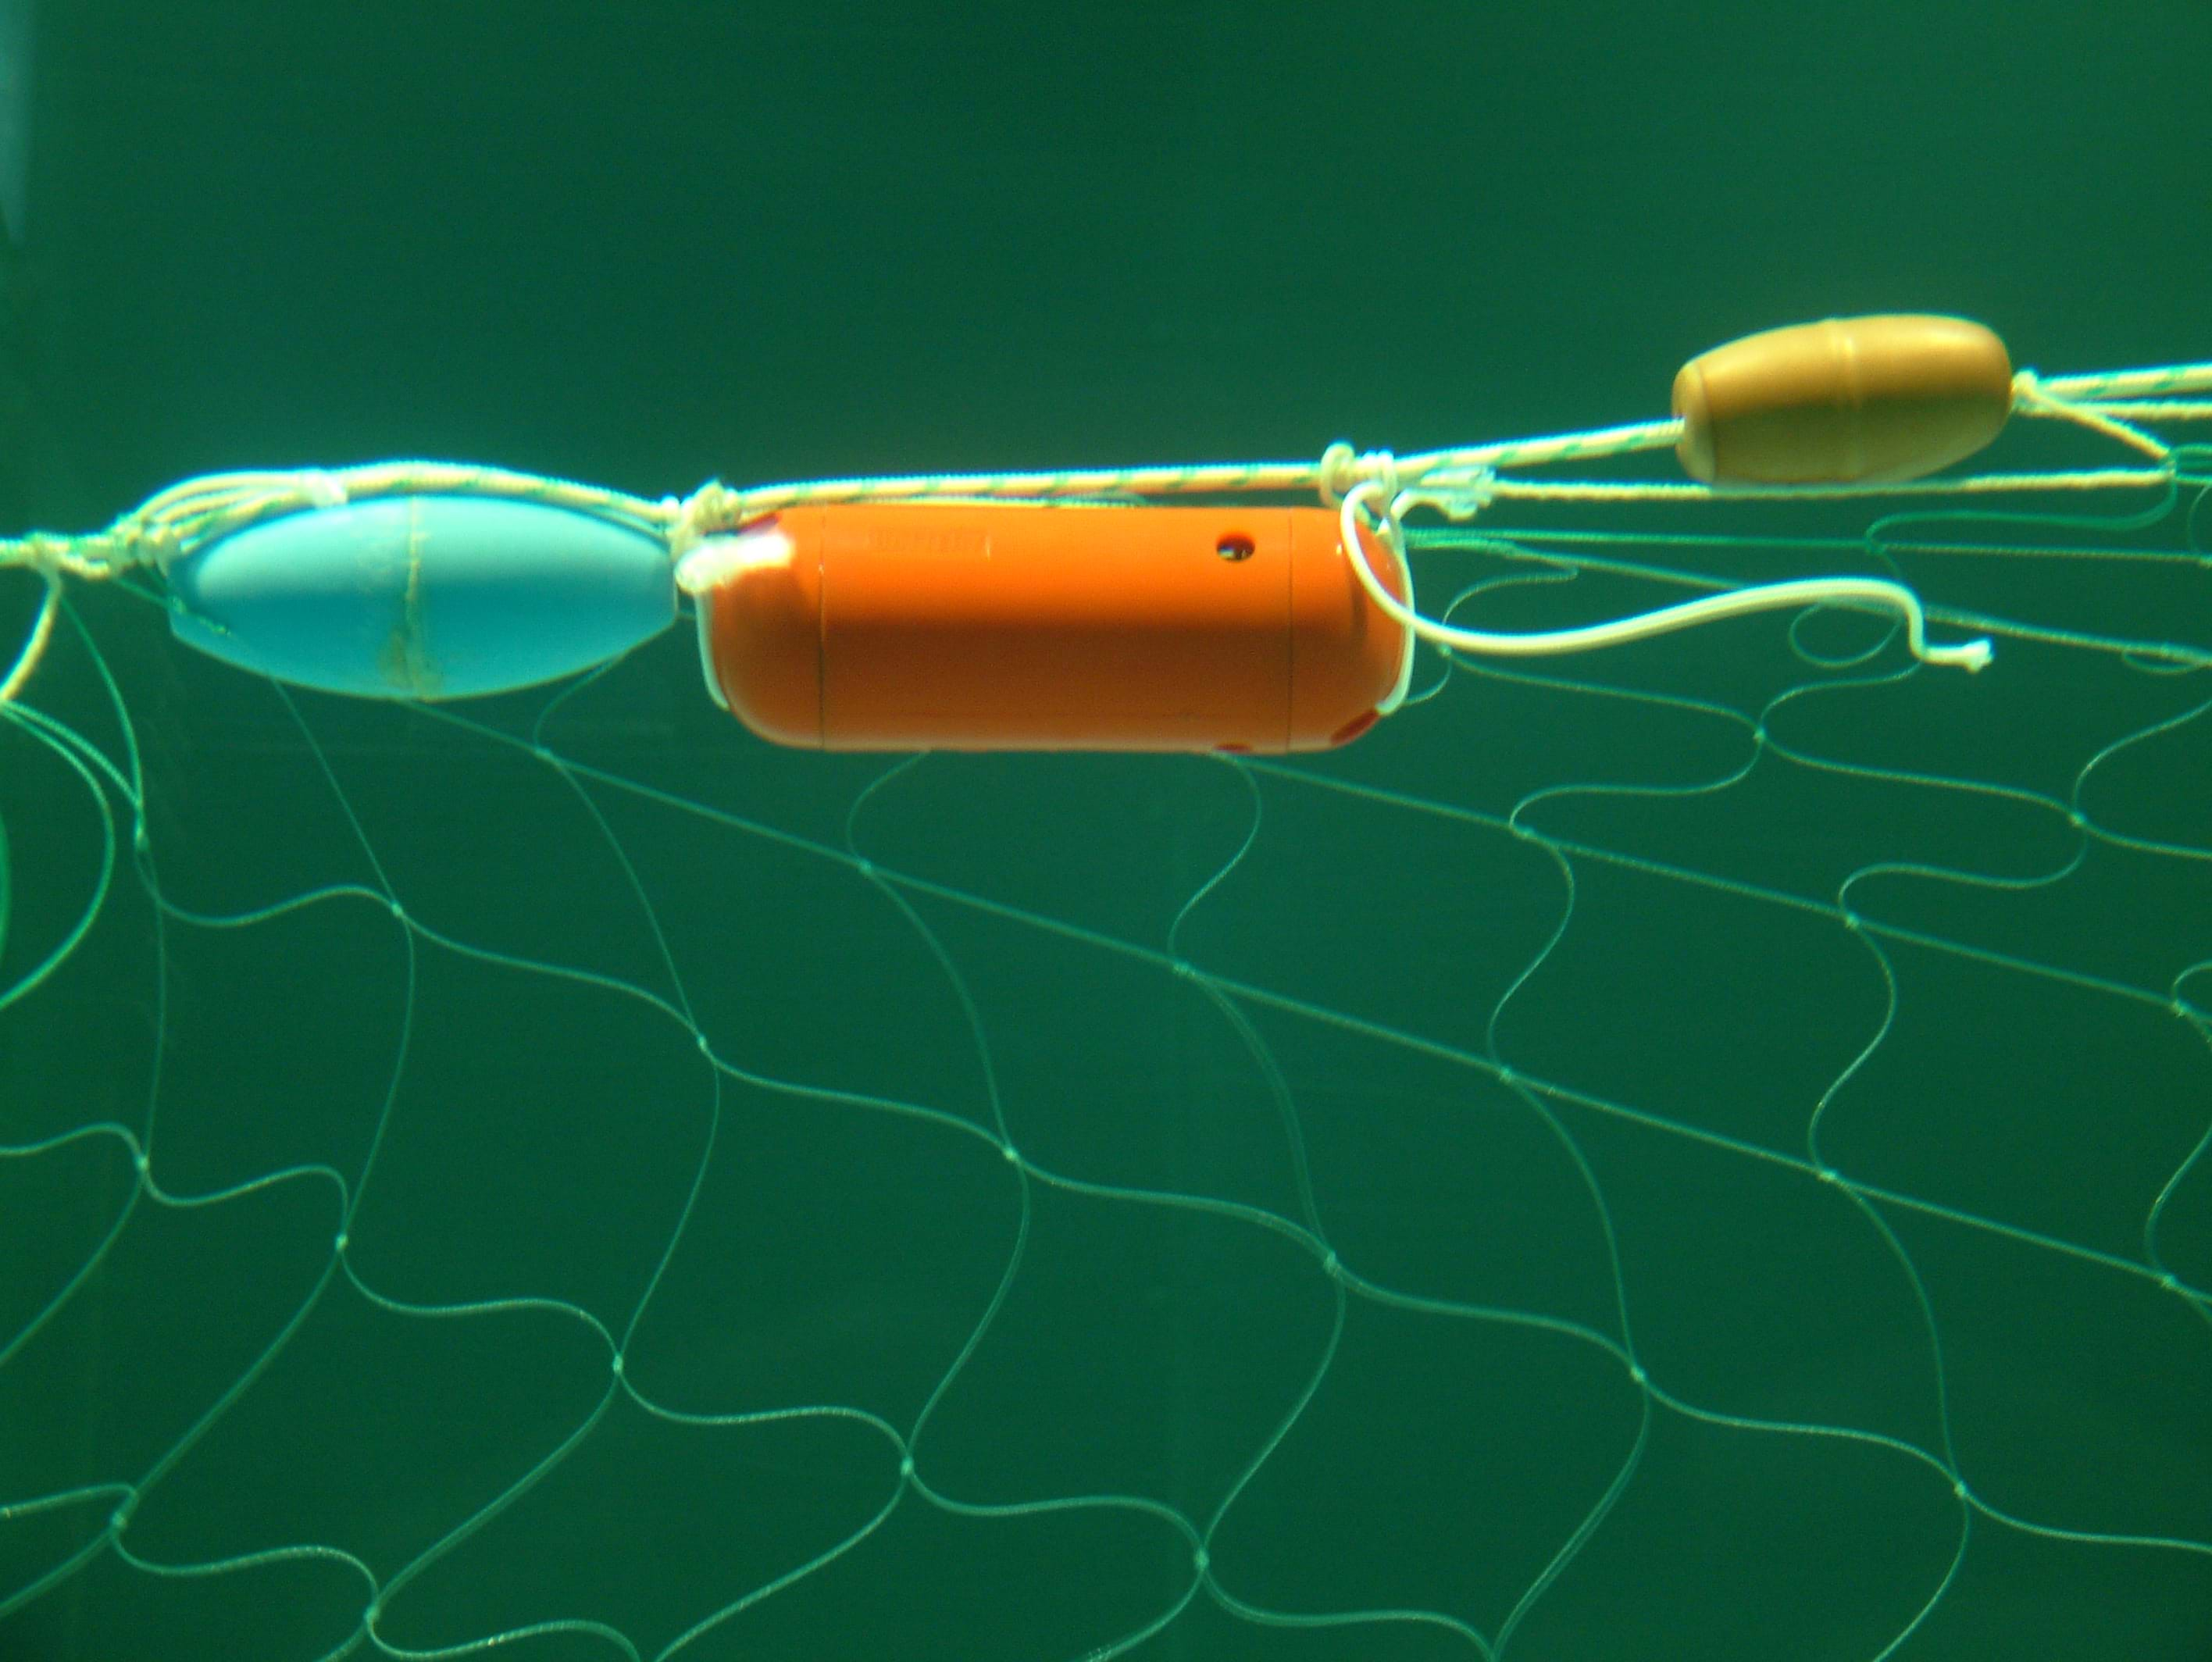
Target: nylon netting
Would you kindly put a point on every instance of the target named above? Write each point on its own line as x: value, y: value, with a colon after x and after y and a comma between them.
x: 1697, y: 1150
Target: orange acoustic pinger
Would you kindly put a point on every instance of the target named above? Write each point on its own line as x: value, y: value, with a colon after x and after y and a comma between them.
x: 1003, y: 626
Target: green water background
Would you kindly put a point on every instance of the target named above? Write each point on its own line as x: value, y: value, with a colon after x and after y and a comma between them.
x: 646, y: 244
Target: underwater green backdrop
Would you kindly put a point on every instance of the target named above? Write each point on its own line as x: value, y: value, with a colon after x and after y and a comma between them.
x: 1360, y: 1207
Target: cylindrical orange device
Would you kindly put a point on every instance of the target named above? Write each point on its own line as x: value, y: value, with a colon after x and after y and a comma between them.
x: 1850, y: 401
x: 1000, y: 627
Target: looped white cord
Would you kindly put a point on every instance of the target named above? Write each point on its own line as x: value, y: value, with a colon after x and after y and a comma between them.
x: 1969, y: 655
x: 1393, y: 538
x: 44, y: 555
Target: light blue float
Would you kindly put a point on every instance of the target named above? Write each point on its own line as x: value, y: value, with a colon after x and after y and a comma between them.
x: 424, y: 597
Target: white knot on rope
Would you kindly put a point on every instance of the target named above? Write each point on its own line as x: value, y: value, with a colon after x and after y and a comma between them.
x: 707, y: 510
x: 136, y: 540
x: 1341, y: 467
x: 1457, y: 494
x: 45, y: 553
x: 322, y: 489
